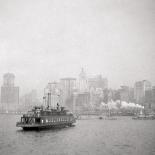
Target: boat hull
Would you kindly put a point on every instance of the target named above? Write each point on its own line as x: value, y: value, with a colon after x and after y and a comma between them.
x: 44, y: 126
x: 144, y: 117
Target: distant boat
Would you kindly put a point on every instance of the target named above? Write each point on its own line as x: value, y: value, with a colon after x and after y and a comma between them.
x: 142, y: 116
x: 107, y: 117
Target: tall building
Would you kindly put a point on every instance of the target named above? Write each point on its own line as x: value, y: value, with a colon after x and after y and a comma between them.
x: 82, y: 82
x: 142, y: 90
x: 68, y: 86
x: 81, y: 101
x: 55, y: 94
x: 9, y: 93
x: 124, y: 93
x: 153, y: 98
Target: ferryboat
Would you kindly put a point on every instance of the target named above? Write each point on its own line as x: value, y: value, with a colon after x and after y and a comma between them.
x: 45, y: 117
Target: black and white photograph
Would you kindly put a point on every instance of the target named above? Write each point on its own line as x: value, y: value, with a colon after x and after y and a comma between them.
x: 77, y: 77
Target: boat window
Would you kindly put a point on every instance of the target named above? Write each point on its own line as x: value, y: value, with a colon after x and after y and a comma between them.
x: 37, y: 120
x: 22, y: 120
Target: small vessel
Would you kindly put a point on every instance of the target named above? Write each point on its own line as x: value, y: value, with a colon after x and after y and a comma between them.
x: 108, y: 116
x: 143, y: 116
x: 45, y: 117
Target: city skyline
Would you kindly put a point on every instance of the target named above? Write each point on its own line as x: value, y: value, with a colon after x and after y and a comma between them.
x: 44, y: 41
x: 83, y: 91
x: 88, y: 83
x: 40, y: 89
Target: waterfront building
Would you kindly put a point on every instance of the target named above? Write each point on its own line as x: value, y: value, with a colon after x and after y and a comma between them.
x: 82, y: 82
x: 142, y: 92
x: 124, y: 93
x: 131, y: 95
x: 9, y: 93
x: 55, y: 94
x: 153, y: 98
x: 68, y: 85
x: 81, y: 102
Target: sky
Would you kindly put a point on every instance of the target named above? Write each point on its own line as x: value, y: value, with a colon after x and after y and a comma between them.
x: 43, y: 41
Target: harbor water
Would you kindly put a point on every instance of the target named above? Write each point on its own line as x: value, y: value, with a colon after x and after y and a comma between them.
x: 123, y: 136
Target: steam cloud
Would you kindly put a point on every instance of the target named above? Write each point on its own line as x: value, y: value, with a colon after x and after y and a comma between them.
x: 121, y: 104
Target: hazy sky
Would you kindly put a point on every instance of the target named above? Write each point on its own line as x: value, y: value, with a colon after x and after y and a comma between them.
x: 44, y: 40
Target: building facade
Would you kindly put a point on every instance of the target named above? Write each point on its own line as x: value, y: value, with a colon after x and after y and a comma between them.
x: 9, y: 93
x: 82, y: 82
x: 153, y: 98
x: 67, y: 85
x: 142, y: 92
x: 124, y: 94
x: 98, y: 82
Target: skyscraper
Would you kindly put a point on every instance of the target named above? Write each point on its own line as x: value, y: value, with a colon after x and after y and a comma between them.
x: 9, y: 93
x: 82, y: 82
x: 55, y: 94
x: 153, y: 98
x: 142, y: 89
x: 67, y: 86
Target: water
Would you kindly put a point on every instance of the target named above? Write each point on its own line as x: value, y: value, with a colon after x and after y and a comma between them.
x: 123, y: 136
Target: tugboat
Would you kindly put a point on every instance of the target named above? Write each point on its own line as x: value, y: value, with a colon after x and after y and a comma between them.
x: 45, y: 117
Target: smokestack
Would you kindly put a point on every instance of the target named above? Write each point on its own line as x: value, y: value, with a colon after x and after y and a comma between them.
x: 49, y: 100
